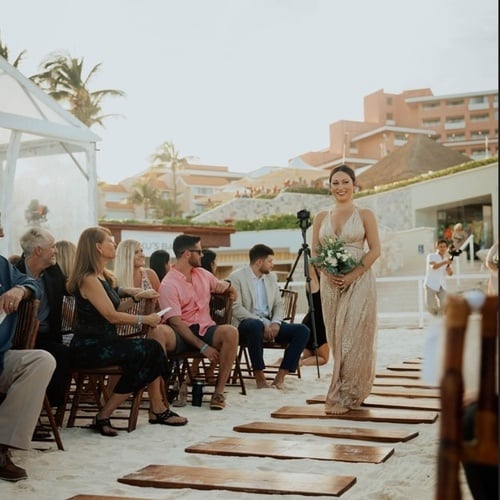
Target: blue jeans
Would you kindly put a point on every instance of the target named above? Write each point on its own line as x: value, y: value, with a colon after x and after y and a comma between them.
x: 293, y: 335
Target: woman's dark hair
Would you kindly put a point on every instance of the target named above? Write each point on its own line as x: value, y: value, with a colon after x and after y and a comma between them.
x: 157, y: 262
x: 343, y: 168
x: 207, y: 259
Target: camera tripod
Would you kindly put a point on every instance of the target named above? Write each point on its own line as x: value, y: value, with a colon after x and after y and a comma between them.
x: 306, y: 253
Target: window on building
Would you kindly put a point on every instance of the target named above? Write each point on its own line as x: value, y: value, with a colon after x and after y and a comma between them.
x: 455, y: 102
x: 478, y: 100
x: 430, y: 105
x: 431, y: 122
x: 479, y: 134
x: 389, y: 101
x: 389, y: 117
x: 480, y: 118
x: 455, y: 137
x: 454, y: 119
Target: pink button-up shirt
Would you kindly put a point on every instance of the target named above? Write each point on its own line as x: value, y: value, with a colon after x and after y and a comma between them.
x: 190, y: 301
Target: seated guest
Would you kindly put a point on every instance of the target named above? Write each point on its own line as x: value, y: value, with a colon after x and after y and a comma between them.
x: 187, y: 288
x: 208, y: 260
x: 159, y: 262
x: 129, y: 267
x: 132, y: 276
x: 39, y: 262
x: 96, y: 343
x: 24, y: 374
x: 323, y: 349
x: 65, y: 257
x: 258, y: 313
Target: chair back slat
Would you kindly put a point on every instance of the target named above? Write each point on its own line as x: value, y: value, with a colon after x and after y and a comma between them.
x: 483, y: 449
x: 289, y: 304
x: 68, y: 314
x: 221, y: 308
x: 27, y: 325
x: 143, y: 307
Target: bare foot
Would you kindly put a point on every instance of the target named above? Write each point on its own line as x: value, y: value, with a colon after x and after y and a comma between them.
x: 262, y: 384
x: 336, y: 410
x: 278, y: 385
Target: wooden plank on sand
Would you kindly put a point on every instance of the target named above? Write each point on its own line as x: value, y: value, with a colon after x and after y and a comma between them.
x: 403, y: 382
x: 400, y: 374
x: 244, y: 447
x: 258, y: 481
x: 359, y: 433
x: 362, y: 414
x: 406, y: 392
x: 104, y: 497
x: 405, y: 367
x: 432, y: 404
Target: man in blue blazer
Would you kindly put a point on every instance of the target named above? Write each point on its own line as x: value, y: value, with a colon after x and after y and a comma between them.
x: 258, y: 314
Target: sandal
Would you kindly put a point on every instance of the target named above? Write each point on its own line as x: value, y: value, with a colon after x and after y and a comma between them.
x: 164, y: 417
x: 104, y: 427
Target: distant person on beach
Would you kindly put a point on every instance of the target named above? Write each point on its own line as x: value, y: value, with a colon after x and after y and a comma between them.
x: 438, y: 266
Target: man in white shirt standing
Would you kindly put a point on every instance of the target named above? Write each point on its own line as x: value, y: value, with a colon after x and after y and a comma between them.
x: 438, y: 266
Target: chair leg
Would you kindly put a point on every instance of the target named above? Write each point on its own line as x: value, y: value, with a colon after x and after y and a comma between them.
x: 52, y: 421
x: 134, y: 410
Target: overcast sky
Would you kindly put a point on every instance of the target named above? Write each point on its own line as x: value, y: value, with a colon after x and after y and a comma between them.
x: 251, y: 83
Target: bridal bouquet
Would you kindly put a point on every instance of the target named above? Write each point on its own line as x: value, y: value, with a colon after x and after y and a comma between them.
x: 334, y: 258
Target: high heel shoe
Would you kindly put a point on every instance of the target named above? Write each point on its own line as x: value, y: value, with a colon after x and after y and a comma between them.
x: 104, y: 427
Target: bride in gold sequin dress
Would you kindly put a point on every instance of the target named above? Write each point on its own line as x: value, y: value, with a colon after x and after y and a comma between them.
x: 349, y: 301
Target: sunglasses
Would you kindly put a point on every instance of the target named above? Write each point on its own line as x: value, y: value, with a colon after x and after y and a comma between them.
x: 199, y: 252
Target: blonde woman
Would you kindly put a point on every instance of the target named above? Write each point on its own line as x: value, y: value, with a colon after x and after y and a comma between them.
x: 129, y: 267
x: 96, y: 343
x: 66, y: 251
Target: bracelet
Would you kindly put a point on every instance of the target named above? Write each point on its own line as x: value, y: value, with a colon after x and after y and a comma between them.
x: 204, y: 347
x: 139, y: 320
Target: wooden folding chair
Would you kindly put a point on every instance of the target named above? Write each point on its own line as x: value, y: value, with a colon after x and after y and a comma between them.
x: 453, y: 449
x: 290, y: 298
x: 179, y: 367
x: 25, y: 338
x: 94, y: 380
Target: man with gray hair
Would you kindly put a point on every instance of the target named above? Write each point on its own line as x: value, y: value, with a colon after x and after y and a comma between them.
x: 39, y: 262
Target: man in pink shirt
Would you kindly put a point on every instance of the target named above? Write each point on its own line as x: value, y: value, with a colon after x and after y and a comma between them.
x: 186, y: 288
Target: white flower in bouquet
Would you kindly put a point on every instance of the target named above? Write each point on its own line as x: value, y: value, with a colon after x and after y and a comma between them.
x: 334, y: 258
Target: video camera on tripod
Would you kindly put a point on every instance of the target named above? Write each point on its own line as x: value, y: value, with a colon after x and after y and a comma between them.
x: 304, y: 219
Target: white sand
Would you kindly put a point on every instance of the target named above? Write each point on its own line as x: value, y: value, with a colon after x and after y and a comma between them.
x: 91, y: 464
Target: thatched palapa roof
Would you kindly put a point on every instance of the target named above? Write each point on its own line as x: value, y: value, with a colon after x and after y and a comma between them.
x: 420, y: 155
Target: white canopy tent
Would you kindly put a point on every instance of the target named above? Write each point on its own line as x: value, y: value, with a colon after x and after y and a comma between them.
x: 47, y: 141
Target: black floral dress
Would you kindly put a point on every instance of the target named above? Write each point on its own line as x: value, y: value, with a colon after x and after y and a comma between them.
x: 96, y: 345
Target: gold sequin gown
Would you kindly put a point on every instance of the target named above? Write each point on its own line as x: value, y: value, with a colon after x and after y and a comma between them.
x: 351, y: 322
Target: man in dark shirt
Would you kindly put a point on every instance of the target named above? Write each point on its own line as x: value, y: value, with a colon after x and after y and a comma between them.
x: 39, y: 262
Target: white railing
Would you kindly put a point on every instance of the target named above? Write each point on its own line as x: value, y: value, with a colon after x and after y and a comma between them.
x: 478, y: 280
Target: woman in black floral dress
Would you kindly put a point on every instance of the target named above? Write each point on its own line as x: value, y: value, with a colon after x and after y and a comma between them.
x: 96, y: 343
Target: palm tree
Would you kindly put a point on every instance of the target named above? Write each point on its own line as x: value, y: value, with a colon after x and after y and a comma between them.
x: 62, y: 78
x: 4, y: 52
x: 143, y: 193
x: 167, y: 156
